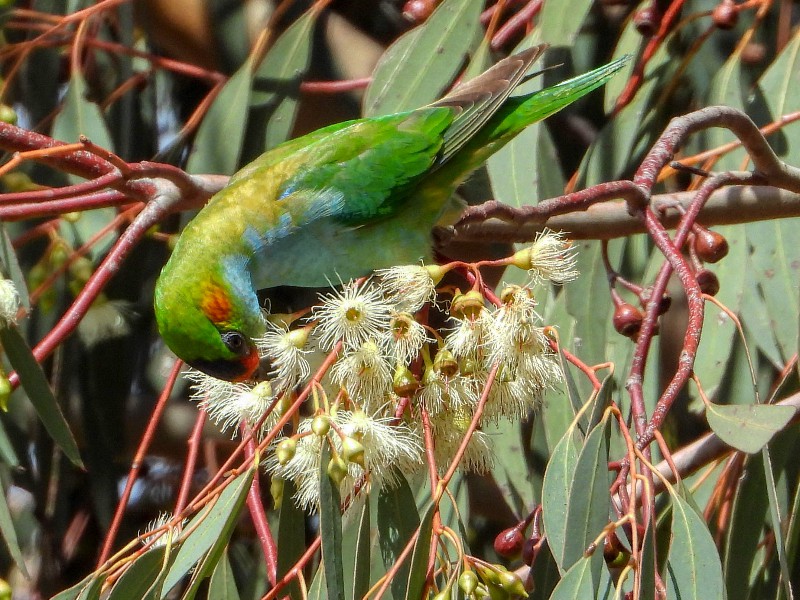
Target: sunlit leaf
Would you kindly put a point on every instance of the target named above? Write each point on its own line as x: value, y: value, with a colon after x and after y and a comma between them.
x: 588, y: 503
x: 218, y: 143
x: 556, y: 492
x: 646, y: 573
x: 276, y: 86
x: 209, y: 529
x: 416, y: 69
x: 579, y: 582
x: 776, y: 267
x: 558, y: 26
x: 747, y: 427
x: 693, y: 567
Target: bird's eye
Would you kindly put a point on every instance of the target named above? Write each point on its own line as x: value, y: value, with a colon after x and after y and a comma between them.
x: 235, y: 342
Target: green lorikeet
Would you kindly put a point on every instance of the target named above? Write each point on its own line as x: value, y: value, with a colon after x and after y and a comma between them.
x: 339, y: 202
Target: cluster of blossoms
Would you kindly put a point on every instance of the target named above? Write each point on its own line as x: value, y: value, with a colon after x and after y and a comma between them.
x: 392, y: 368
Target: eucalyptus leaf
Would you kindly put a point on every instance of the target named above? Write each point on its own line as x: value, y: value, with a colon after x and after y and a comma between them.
x: 140, y: 576
x: 291, y: 537
x: 222, y: 585
x: 80, y: 117
x: 588, y: 503
x: 693, y: 570
x: 9, y: 267
x: 560, y: 27
x: 776, y: 522
x: 748, y: 427
x: 330, y: 529
x: 579, y: 582
x: 9, y: 533
x: 90, y: 585
x: 363, y: 554
x: 418, y: 67
x: 398, y: 522
x: 556, y: 490
x: 276, y: 86
x: 37, y: 388
x: 218, y: 144
x: 209, y: 529
x: 745, y: 529
x: 7, y: 453
x: 418, y: 570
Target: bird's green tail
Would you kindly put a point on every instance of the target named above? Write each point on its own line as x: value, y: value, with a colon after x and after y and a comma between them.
x: 519, y: 112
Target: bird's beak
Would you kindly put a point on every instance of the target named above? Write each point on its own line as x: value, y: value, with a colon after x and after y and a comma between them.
x: 250, y: 363
x: 230, y: 370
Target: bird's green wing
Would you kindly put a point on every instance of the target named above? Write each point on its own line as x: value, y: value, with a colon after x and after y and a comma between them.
x: 363, y: 172
x: 282, y: 151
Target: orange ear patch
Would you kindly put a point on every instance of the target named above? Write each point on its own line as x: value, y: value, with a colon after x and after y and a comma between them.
x: 216, y: 305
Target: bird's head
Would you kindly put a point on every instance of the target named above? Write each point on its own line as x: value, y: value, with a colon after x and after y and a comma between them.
x: 210, y: 323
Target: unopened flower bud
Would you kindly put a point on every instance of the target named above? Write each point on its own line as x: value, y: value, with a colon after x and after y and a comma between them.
x: 417, y: 11
x: 298, y: 337
x: 627, y: 319
x: 708, y: 282
x: 468, y: 581
x: 5, y: 392
x: 81, y: 269
x: 709, y: 245
x: 285, y: 451
x: 337, y: 469
x: 321, y: 425
x: 488, y: 574
x: 8, y: 114
x: 508, y: 542
x: 511, y: 583
x: 647, y: 20
x: 725, y: 16
x: 353, y: 451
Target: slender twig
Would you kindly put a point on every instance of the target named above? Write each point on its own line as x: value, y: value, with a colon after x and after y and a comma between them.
x: 137, y: 462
